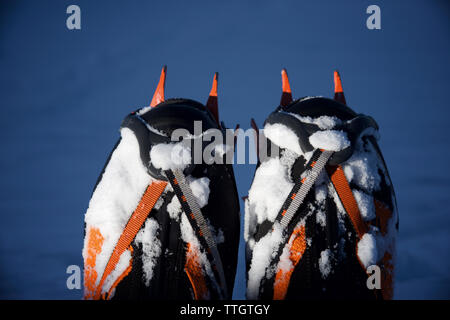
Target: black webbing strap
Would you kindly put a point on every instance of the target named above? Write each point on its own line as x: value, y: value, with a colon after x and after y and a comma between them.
x: 302, y: 186
x: 294, y: 200
x: 199, y: 225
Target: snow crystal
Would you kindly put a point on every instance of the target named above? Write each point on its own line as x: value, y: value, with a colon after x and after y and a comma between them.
x: 323, y: 122
x: 321, y: 193
x: 285, y: 263
x: 269, y: 190
x: 365, y: 204
x: 187, y: 233
x: 143, y: 110
x: 325, y: 263
x: 263, y: 252
x: 362, y: 169
x: 174, y: 208
x: 288, y: 158
x: 159, y: 203
x: 367, y: 250
x: 321, y: 218
x: 310, y: 97
x: 154, y: 130
x: 283, y: 137
x: 200, y: 189
x: 151, y: 248
x: 247, y: 221
x: 332, y: 140
x: 170, y: 156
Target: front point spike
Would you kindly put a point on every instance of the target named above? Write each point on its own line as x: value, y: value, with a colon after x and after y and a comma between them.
x: 212, y: 104
x: 286, y: 96
x: 158, y: 96
x: 338, y: 92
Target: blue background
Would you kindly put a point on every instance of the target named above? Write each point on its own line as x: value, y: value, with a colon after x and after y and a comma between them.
x: 64, y: 93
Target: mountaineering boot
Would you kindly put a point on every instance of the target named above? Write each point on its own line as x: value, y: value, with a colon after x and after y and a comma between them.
x: 160, y: 226
x: 321, y: 216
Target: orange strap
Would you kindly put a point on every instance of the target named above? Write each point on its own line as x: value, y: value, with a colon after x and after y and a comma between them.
x: 136, y: 221
x: 383, y: 214
x: 297, y: 244
x: 195, y: 274
x: 344, y: 192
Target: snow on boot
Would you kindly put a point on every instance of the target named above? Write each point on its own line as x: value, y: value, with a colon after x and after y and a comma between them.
x: 321, y: 216
x: 159, y: 226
